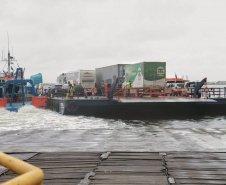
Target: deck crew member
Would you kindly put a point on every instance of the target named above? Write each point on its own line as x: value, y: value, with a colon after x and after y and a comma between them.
x: 72, y: 89
x: 69, y: 83
x: 128, y: 85
x: 103, y: 89
x: 65, y: 89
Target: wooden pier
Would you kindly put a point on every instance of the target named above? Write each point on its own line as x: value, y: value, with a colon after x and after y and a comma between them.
x: 111, y: 168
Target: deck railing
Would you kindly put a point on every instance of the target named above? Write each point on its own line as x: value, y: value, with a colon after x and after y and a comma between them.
x: 168, y: 92
x: 29, y: 174
x: 152, y: 92
x: 148, y: 93
x: 214, y: 92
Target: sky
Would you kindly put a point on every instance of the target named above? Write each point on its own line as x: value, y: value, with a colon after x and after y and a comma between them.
x: 56, y: 36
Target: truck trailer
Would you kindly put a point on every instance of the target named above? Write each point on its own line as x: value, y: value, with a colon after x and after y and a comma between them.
x: 146, y: 74
x: 109, y: 73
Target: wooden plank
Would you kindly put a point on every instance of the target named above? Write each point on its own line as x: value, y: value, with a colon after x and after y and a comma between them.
x: 135, y: 154
x: 198, y: 176
x: 194, y: 160
x: 132, y: 162
x: 194, y: 172
x: 188, y: 165
x: 160, y: 181
x: 196, y: 155
x: 130, y: 168
x: 110, y: 183
x: 200, y: 181
x: 138, y: 157
x: 112, y: 174
x: 134, y: 176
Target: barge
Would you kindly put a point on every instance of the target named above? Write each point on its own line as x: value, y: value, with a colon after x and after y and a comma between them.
x: 136, y: 103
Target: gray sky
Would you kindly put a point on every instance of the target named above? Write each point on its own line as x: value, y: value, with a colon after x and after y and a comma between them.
x: 56, y: 36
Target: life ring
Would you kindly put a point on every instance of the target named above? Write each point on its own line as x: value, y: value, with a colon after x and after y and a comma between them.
x: 206, y: 90
x: 94, y: 90
x: 72, y: 107
x: 85, y: 91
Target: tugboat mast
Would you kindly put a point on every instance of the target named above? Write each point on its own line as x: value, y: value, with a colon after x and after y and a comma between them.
x: 8, y: 58
x: 8, y: 61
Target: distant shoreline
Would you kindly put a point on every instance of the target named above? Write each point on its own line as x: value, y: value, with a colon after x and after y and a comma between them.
x: 217, y: 83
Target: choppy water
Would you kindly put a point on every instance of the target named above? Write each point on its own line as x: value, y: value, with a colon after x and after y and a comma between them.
x: 33, y: 130
x: 30, y: 117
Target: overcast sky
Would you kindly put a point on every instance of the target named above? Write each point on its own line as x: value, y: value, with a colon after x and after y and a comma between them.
x: 56, y: 36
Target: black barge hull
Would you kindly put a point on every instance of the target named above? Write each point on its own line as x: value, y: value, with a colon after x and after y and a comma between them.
x: 129, y: 108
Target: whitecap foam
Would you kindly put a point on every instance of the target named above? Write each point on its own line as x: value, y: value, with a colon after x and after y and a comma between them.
x: 29, y: 117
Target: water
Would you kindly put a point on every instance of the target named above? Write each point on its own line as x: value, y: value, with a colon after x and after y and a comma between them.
x: 33, y: 130
x: 30, y: 117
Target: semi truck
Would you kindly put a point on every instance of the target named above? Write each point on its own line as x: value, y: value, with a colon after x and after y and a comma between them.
x: 146, y: 74
x: 108, y: 74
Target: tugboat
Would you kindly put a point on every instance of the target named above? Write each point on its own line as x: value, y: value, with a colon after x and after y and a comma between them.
x: 12, y: 90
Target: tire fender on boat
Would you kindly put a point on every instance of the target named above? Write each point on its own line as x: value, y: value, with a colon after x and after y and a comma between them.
x: 72, y: 107
x: 50, y: 105
x: 56, y: 106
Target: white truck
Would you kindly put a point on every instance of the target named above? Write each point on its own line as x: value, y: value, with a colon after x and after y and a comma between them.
x: 86, y: 78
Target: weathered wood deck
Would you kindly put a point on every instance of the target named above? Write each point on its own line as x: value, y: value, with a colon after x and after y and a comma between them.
x: 125, y: 168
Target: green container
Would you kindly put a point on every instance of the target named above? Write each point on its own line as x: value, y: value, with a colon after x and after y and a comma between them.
x: 146, y: 74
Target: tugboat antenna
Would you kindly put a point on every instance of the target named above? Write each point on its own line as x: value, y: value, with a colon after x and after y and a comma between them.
x: 3, y: 54
x: 8, y: 41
